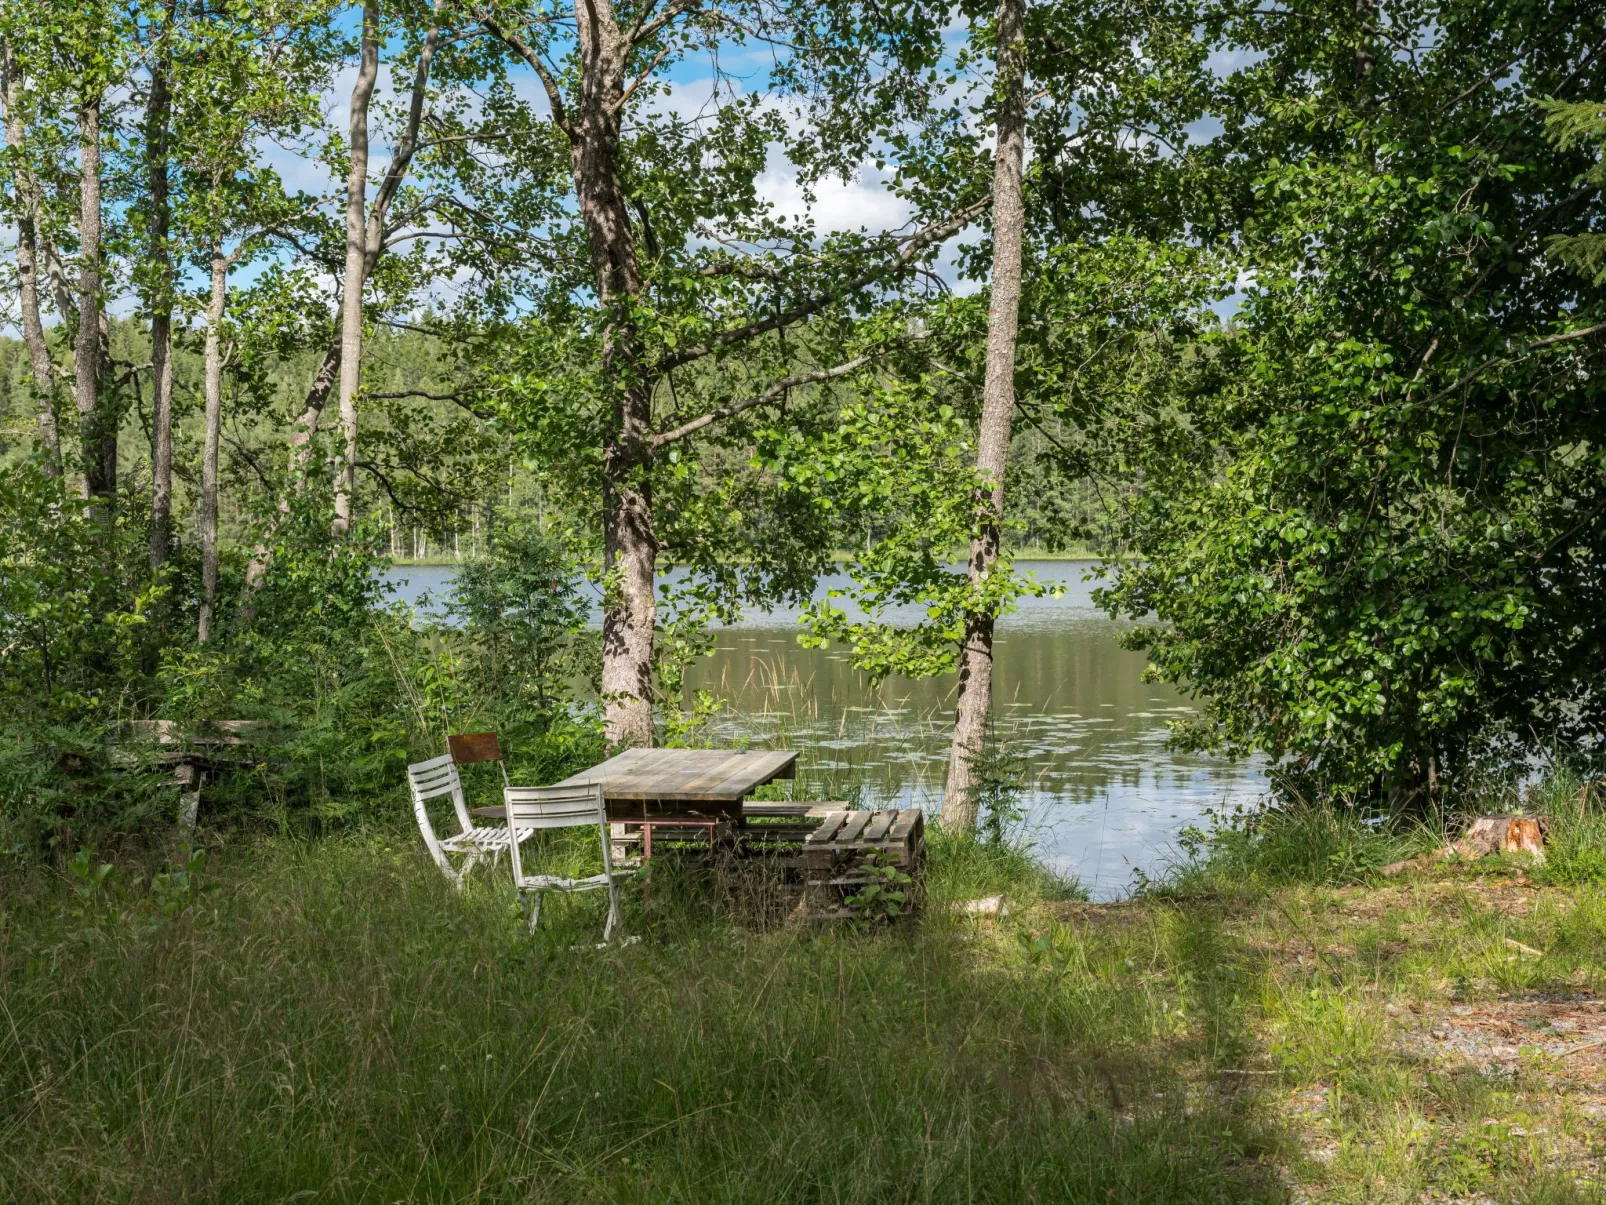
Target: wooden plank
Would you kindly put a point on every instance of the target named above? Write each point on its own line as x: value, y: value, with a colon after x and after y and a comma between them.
x: 769, y: 765
x: 852, y: 827
x: 470, y: 747
x: 908, y: 820
x: 719, y: 777
x: 828, y: 828
x: 684, y: 775
x: 880, y: 822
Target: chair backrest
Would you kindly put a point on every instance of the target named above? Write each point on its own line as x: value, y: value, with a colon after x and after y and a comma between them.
x: 432, y: 778
x: 555, y: 807
x: 470, y: 747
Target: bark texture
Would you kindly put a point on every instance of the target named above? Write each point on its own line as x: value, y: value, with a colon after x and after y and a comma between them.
x: 356, y: 255
x: 630, y: 550
x: 212, y: 378
x: 160, y: 301
x: 959, y: 802
x: 40, y: 366
x: 96, y: 422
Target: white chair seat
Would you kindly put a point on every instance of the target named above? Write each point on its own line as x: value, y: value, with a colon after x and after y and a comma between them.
x: 473, y: 843
x: 483, y: 840
x: 552, y: 882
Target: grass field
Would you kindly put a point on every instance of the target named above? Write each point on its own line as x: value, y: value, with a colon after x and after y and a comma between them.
x: 329, y: 1022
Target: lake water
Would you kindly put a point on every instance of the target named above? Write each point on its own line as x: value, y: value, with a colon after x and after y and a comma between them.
x: 1103, y: 794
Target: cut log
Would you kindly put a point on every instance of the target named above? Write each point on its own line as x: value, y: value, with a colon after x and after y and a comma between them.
x: 1502, y: 834
x: 1485, y: 835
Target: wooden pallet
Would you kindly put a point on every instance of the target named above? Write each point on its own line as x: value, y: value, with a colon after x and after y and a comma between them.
x: 765, y: 826
x: 838, y: 857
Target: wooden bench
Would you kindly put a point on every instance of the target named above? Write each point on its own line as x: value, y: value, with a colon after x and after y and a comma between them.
x: 214, y: 744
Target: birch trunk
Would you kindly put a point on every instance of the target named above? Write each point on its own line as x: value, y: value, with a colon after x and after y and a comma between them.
x: 97, y: 427
x: 959, y: 802
x: 334, y: 359
x: 630, y: 551
x: 212, y: 378
x: 356, y: 257
x: 161, y: 302
x: 40, y: 366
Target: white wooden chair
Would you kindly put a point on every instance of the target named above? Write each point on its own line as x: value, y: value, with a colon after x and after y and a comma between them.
x: 431, y: 779
x: 531, y: 808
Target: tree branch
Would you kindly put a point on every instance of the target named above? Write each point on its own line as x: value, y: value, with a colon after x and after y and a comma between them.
x: 456, y: 399
x: 639, y: 80
x: 778, y: 389
x: 646, y: 31
x: 526, y: 52
x: 912, y: 247
x: 1547, y: 341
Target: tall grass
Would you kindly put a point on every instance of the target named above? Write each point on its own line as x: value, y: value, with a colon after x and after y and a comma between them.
x: 1293, y: 842
x: 329, y: 1019
x: 1574, y: 813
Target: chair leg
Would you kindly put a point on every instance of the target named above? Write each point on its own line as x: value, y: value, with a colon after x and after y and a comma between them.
x: 613, y: 911
x: 535, y: 912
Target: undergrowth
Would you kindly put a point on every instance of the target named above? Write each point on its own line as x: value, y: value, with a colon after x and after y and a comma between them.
x: 330, y: 1019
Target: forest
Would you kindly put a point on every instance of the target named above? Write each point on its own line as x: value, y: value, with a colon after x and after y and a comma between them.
x: 1285, y: 316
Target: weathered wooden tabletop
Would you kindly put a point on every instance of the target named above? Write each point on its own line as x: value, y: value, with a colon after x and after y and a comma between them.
x: 685, y: 775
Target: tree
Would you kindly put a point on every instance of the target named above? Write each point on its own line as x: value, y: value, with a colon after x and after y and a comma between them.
x: 1113, y: 90
x: 356, y: 254
x: 158, y: 275
x: 1373, y: 534
x: 25, y: 214
x: 686, y: 274
x: 243, y: 83
x: 997, y: 412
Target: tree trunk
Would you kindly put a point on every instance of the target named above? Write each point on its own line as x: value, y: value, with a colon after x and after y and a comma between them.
x: 334, y: 358
x: 213, y: 388
x: 160, y: 301
x: 959, y: 802
x: 40, y: 366
x: 356, y: 257
x: 630, y: 551
x: 97, y: 424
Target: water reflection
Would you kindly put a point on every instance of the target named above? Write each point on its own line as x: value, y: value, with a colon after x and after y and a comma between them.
x: 1103, y: 793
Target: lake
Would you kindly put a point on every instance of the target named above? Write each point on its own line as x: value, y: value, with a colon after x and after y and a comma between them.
x: 1103, y: 795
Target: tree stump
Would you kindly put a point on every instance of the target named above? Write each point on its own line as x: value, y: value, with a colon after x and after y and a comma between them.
x: 1503, y: 834
x: 1485, y: 835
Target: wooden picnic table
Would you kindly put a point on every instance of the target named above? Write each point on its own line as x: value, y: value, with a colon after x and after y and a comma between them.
x: 642, y: 784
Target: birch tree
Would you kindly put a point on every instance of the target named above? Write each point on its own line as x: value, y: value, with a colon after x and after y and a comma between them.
x: 997, y: 413
x: 243, y: 82
x: 25, y: 205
